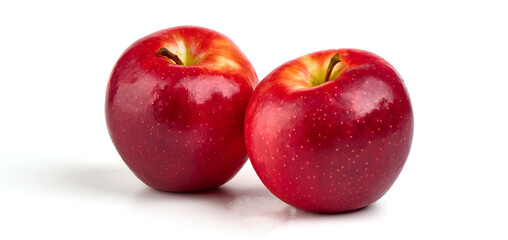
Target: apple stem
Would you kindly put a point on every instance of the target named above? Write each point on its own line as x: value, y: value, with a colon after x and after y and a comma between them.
x: 333, y: 61
x: 166, y: 53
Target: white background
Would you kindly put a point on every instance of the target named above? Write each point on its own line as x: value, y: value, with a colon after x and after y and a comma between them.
x: 61, y: 178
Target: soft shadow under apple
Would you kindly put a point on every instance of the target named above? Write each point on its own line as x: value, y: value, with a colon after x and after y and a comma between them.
x: 251, y: 205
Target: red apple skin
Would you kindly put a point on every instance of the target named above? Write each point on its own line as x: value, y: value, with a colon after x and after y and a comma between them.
x: 335, y: 147
x: 179, y: 128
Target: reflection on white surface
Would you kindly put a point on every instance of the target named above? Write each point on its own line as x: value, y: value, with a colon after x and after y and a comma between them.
x: 259, y: 206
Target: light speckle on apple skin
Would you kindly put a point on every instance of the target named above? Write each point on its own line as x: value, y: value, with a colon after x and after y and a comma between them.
x: 180, y: 128
x: 358, y: 127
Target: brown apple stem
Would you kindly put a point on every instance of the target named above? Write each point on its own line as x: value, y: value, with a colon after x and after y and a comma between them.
x: 166, y: 53
x: 333, y: 61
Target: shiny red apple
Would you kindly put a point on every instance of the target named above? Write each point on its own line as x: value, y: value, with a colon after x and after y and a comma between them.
x: 175, y: 107
x: 330, y: 131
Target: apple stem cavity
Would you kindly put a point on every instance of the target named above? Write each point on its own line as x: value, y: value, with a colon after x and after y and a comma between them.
x: 333, y: 61
x: 166, y: 53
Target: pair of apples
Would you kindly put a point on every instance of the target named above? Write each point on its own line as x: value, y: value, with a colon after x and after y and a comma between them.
x: 326, y: 132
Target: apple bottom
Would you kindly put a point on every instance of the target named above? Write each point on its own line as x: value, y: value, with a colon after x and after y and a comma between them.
x: 191, y: 176
x: 323, y: 201
x: 327, y: 192
x: 178, y: 181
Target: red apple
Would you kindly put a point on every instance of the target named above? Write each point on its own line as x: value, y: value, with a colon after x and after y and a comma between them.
x: 175, y: 107
x: 330, y: 131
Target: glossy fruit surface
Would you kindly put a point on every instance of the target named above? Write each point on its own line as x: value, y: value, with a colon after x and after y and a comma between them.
x: 330, y: 146
x: 180, y: 127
